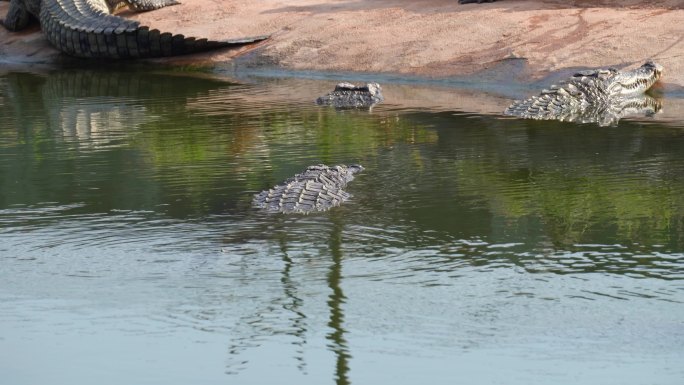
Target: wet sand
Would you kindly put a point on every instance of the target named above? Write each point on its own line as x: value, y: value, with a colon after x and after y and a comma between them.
x: 429, y: 38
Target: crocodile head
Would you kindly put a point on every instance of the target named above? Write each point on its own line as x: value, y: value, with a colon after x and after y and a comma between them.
x: 372, y: 89
x: 347, y: 172
x: 341, y: 169
x: 636, y: 81
x: 355, y: 168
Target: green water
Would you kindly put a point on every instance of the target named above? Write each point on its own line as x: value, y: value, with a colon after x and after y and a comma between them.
x: 475, y: 249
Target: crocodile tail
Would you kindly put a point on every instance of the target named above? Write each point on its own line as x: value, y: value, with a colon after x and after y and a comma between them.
x: 80, y: 28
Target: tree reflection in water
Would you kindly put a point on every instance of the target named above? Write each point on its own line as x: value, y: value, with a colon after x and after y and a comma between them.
x: 338, y: 343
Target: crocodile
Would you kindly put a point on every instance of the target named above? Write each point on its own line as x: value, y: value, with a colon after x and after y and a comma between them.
x: 601, y: 96
x: 475, y: 1
x: 88, y: 29
x: 347, y: 95
x: 318, y: 188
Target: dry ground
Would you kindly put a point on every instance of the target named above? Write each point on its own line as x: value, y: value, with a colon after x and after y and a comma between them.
x: 434, y: 38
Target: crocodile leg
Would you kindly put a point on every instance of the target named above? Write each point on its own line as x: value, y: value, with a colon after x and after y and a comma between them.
x: 17, y: 17
x: 149, y: 5
x: 84, y: 28
x: 140, y: 5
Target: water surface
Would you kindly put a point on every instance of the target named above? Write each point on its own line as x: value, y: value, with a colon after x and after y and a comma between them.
x: 475, y: 249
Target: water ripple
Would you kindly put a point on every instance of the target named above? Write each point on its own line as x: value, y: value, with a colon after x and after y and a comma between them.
x: 125, y: 211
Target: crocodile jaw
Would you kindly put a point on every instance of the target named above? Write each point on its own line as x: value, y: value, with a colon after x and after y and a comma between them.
x: 636, y: 81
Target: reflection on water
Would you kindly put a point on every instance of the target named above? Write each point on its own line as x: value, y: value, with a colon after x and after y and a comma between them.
x: 542, y: 248
x: 336, y: 336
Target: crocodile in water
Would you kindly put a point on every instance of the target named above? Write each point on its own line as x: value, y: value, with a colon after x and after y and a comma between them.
x: 319, y: 188
x: 347, y: 95
x: 601, y: 96
x: 87, y: 29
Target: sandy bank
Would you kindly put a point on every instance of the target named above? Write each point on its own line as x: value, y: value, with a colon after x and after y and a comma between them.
x: 432, y: 38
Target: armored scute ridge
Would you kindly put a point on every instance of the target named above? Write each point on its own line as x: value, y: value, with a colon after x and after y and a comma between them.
x: 319, y: 188
x: 600, y: 96
x: 347, y: 95
x: 86, y: 29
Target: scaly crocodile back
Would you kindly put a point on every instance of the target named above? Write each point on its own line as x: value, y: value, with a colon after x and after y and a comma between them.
x: 347, y: 95
x: 84, y: 28
x: 319, y: 188
x: 565, y: 100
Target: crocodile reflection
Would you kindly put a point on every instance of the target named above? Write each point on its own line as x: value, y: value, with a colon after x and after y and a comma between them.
x: 91, y: 109
x: 610, y: 114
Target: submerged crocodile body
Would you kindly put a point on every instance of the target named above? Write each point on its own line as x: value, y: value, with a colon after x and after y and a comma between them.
x: 600, y: 96
x: 347, y: 95
x: 87, y: 29
x: 319, y: 188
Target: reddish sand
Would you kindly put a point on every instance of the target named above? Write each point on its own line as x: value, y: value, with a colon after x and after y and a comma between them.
x: 434, y: 38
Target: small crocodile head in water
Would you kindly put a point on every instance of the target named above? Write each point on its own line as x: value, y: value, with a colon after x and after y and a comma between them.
x: 347, y: 171
x: 636, y: 81
x: 355, y: 168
